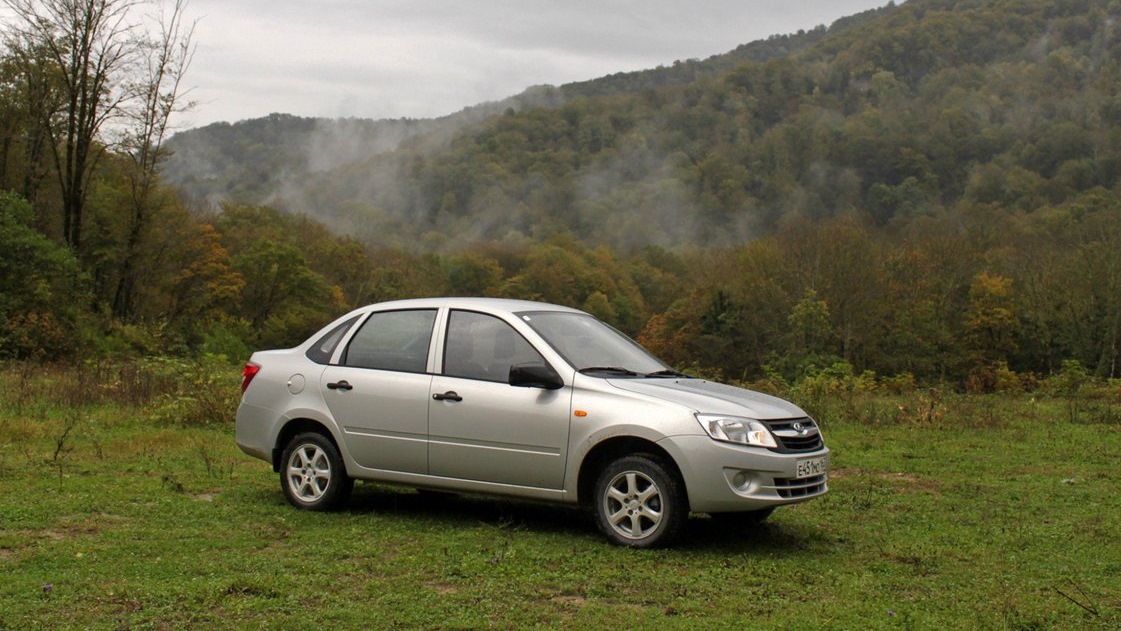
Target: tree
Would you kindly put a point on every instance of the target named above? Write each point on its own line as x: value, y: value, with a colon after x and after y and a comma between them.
x: 282, y: 298
x: 40, y: 287
x: 165, y: 62
x: 105, y: 63
x: 88, y: 42
x: 199, y: 285
x: 991, y: 325
x: 810, y: 331
x: 28, y: 94
x: 473, y: 274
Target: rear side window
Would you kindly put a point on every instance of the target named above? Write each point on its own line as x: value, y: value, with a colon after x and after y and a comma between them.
x: 392, y: 340
x: 324, y: 347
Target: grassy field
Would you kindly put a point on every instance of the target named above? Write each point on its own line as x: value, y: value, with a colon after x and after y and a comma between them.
x: 982, y: 512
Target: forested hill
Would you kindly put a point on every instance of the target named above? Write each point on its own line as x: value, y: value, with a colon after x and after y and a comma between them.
x: 913, y: 110
x: 251, y: 161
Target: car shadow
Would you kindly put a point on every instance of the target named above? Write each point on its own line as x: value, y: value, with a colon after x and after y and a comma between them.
x: 774, y: 537
x: 701, y: 534
x: 468, y: 510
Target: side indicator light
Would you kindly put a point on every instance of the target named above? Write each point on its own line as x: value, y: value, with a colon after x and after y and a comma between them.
x: 580, y: 413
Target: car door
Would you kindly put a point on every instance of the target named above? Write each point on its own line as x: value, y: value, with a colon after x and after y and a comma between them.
x: 378, y: 393
x: 480, y: 427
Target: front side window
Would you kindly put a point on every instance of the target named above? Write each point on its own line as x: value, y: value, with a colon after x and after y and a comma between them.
x: 393, y: 340
x: 480, y: 346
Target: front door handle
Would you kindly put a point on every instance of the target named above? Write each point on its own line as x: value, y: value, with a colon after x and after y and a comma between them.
x: 340, y: 385
x: 450, y: 395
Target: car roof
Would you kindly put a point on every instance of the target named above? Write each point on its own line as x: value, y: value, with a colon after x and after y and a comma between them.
x: 506, y: 305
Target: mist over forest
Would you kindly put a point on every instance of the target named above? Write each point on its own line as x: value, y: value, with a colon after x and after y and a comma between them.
x: 895, y: 113
x: 371, y: 178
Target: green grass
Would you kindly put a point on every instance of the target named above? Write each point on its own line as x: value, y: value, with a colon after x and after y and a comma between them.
x: 1001, y: 513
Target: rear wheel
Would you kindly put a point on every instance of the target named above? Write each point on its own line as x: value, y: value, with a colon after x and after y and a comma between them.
x: 640, y: 502
x: 312, y: 474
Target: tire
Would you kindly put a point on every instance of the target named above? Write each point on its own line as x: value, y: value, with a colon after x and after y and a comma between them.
x: 640, y: 502
x: 312, y: 474
x: 747, y: 519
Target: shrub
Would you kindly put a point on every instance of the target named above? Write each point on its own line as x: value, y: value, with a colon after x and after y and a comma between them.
x: 42, y: 288
x: 205, y: 391
x: 902, y: 383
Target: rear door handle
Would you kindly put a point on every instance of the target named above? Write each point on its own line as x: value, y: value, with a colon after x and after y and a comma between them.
x: 450, y: 395
x: 340, y: 385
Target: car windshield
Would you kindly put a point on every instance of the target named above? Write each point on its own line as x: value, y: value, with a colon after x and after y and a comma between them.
x: 593, y: 347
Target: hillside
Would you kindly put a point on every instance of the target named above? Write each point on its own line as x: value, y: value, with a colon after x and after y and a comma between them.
x: 258, y: 160
x: 905, y: 112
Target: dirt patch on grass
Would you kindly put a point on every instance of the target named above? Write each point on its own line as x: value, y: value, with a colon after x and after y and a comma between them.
x: 571, y: 601
x: 443, y: 588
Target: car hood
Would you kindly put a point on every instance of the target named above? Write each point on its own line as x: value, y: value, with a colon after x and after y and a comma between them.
x: 710, y: 397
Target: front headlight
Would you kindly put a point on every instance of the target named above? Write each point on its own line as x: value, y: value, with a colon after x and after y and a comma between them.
x: 734, y: 429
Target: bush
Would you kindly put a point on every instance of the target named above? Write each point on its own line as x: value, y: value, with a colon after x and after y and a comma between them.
x: 902, y: 383
x: 177, y: 392
x: 42, y: 288
x: 835, y: 393
x: 205, y: 391
x: 227, y: 339
x: 995, y: 378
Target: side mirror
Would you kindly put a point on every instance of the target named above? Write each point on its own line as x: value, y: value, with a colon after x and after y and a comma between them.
x: 535, y: 375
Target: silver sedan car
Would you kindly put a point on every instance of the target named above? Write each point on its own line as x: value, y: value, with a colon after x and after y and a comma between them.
x: 522, y: 399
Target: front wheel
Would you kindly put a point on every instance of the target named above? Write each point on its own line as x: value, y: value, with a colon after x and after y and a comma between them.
x: 312, y: 473
x: 640, y: 502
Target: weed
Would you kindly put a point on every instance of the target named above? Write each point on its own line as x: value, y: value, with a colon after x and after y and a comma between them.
x: 204, y: 393
x: 62, y: 448
x: 1068, y: 383
x: 927, y: 409
x: 214, y: 468
x: 172, y: 484
x: 62, y: 444
x: 1102, y: 413
x: 1080, y: 598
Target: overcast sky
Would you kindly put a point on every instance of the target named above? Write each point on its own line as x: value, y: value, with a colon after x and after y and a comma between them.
x: 426, y: 58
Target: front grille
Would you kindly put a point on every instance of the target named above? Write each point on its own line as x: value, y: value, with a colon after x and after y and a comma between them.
x: 789, y: 488
x: 790, y: 440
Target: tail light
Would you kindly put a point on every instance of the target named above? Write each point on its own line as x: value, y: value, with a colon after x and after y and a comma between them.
x: 248, y: 373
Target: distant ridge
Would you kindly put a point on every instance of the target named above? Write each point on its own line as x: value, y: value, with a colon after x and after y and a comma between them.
x: 244, y: 161
x: 898, y: 114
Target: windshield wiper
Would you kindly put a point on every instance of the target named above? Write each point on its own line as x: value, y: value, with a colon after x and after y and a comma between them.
x: 612, y: 369
x: 669, y: 372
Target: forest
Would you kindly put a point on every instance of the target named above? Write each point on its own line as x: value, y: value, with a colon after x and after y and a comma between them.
x: 923, y: 194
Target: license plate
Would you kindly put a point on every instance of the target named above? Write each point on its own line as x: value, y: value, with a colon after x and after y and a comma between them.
x: 812, y: 467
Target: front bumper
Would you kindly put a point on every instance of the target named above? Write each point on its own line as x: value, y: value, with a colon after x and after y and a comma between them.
x: 723, y: 477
